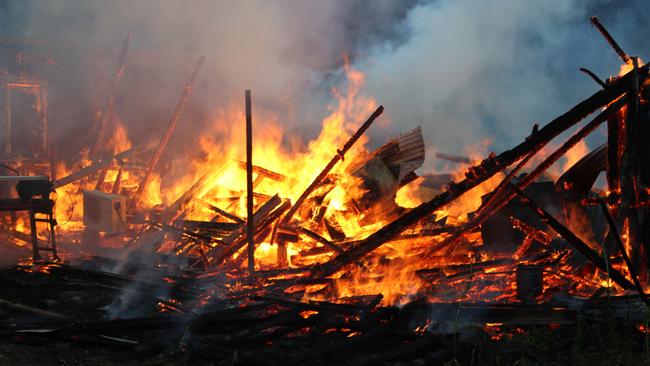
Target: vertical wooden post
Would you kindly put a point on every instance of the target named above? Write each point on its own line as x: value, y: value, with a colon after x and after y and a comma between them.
x: 249, y: 184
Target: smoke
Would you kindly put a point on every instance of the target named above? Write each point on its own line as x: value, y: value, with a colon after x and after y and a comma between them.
x: 465, y: 70
x: 476, y: 70
x: 288, y: 52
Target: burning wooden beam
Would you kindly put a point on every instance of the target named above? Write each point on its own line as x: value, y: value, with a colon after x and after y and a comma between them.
x: 621, y: 248
x: 95, y: 167
x: 339, y: 156
x: 250, y: 224
x: 608, y: 37
x: 594, y: 77
x: 234, y: 242
x: 496, y: 203
x: 153, y: 162
x: 478, y: 174
x: 321, y: 240
x: 220, y: 211
x: 267, y: 173
x: 576, y: 242
x: 118, y: 182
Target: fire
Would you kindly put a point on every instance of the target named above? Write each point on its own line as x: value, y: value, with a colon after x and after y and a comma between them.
x: 120, y: 140
x: 399, y: 270
x: 298, y: 164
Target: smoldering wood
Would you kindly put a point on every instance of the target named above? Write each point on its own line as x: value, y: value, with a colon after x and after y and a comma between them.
x: 233, y: 242
x: 82, y: 173
x: 250, y: 222
x: 576, y: 242
x: 623, y: 251
x: 483, y: 171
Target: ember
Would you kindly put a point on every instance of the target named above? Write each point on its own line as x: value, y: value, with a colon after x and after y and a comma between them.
x: 265, y: 249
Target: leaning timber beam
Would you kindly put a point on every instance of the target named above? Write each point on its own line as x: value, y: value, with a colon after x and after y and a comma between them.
x: 576, y: 242
x: 621, y: 248
x: 478, y: 174
x: 108, y: 108
x: 187, y: 90
x: 237, y: 238
x: 501, y: 197
x: 608, y: 37
x: 95, y: 167
x: 339, y: 156
x: 262, y: 230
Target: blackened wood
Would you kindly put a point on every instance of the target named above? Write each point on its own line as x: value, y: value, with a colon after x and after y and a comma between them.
x: 477, y: 175
x: 339, y: 156
x: 321, y: 240
x: 610, y: 39
x: 209, y: 225
x: 630, y: 170
x: 621, y: 248
x: 153, y: 162
x: 237, y: 238
x: 250, y: 224
x: 591, y: 74
x: 507, y: 195
x: 220, y: 211
x: 576, y: 242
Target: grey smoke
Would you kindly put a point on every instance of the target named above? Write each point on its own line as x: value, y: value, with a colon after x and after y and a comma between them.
x: 490, y: 69
x: 465, y: 70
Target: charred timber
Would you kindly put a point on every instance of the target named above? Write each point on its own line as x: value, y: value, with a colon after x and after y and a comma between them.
x: 339, y: 156
x: 594, y: 77
x: 608, y: 37
x: 576, y: 242
x: 237, y: 238
x: 621, y: 249
x: 507, y: 195
x: 250, y: 223
x: 486, y: 169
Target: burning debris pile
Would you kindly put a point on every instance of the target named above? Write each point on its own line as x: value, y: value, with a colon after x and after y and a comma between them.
x: 334, y: 248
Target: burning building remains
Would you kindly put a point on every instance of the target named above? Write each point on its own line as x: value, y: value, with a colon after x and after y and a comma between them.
x: 260, y: 251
